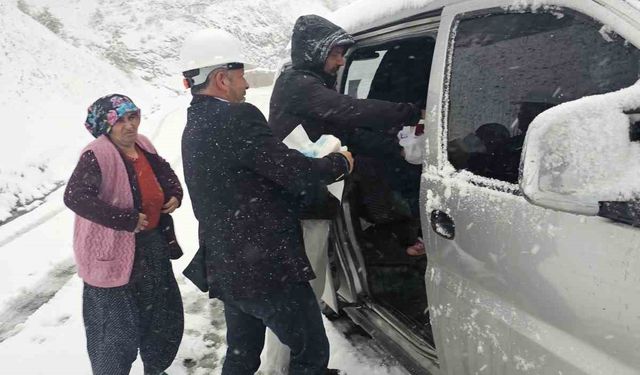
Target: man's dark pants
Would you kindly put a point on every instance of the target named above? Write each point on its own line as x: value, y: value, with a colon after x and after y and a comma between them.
x: 292, y: 313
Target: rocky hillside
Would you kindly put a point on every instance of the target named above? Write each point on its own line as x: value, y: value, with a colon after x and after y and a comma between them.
x: 144, y: 36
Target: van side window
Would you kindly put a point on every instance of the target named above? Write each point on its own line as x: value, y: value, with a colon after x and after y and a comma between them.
x: 395, y: 71
x: 508, y: 68
x: 361, y: 71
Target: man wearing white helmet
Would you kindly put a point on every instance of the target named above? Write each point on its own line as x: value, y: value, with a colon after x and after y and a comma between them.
x: 247, y: 190
x: 208, y: 50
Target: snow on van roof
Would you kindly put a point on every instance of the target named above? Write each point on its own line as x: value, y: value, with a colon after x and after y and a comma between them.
x: 368, y: 13
x: 364, y: 12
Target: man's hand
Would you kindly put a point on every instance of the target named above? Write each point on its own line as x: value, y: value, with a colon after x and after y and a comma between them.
x: 349, y: 157
x: 142, y: 223
x: 170, y: 206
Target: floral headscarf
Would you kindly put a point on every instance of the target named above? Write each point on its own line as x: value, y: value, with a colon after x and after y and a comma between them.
x: 106, y: 111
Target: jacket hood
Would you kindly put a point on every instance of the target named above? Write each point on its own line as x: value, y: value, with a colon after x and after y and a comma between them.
x: 312, y: 40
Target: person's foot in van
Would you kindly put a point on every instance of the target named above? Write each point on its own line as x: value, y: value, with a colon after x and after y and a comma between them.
x: 416, y: 249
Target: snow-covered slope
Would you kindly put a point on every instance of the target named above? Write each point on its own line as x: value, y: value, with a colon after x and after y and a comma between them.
x: 47, y: 85
x: 145, y: 36
x: 50, y: 75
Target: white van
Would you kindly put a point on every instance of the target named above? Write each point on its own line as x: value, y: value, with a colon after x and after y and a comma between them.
x: 536, y: 273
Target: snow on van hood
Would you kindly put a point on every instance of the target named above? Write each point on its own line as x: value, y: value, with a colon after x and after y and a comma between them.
x: 595, y: 159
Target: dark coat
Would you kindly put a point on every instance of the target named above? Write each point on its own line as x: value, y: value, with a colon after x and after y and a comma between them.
x: 247, y: 190
x: 306, y: 94
x: 81, y: 196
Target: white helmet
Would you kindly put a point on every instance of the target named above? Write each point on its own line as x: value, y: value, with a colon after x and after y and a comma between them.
x: 206, y: 50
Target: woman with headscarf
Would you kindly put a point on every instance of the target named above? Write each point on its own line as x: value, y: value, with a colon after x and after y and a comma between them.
x: 122, y: 192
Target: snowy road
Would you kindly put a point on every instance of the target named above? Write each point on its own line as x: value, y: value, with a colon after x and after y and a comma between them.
x: 41, y: 329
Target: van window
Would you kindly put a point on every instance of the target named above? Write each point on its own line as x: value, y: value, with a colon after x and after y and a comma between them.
x: 508, y: 68
x: 361, y: 71
x: 397, y: 71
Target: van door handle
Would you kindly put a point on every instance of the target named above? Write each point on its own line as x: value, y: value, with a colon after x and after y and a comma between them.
x: 443, y: 224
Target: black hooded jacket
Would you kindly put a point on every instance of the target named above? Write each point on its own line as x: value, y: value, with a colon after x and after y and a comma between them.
x: 306, y: 94
x: 246, y: 189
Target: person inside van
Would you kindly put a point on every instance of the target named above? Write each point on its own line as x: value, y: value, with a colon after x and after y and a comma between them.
x: 482, y: 152
x: 492, y: 150
x: 402, y: 76
x: 528, y: 110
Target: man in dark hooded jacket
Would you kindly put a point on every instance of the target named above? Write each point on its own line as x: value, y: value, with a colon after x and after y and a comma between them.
x: 247, y: 190
x: 306, y: 94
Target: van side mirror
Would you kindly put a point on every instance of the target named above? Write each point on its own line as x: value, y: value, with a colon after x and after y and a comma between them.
x: 581, y: 153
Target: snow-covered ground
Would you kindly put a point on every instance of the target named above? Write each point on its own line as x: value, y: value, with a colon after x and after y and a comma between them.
x: 40, y: 295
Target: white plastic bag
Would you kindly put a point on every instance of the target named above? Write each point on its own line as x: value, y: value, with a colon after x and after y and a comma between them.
x: 412, y: 144
x: 299, y: 140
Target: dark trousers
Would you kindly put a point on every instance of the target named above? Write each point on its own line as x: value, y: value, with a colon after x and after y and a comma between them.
x: 292, y: 313
x: 145, y: 314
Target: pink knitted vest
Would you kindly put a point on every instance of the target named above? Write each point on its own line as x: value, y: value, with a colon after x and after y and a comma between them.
x: 104, y: 256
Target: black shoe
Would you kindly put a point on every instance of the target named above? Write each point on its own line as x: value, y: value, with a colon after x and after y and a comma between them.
x: 334, y: 371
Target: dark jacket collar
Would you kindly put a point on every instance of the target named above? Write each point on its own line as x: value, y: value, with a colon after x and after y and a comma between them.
x: 199, y: 98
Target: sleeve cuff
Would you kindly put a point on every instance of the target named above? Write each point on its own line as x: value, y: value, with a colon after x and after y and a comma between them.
x: 345, y: 162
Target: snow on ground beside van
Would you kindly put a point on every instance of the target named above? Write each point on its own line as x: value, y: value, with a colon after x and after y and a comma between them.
x: 55, y: 336
x: 47, y: 86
